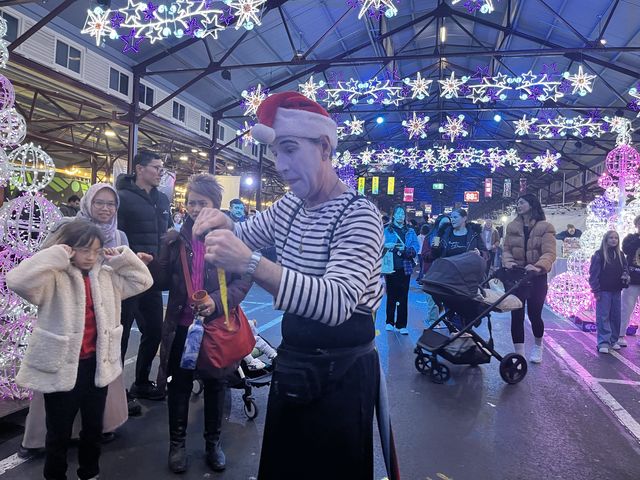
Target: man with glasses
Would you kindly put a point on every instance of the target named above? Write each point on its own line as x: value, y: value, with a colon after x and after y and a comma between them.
x: 145, y: 216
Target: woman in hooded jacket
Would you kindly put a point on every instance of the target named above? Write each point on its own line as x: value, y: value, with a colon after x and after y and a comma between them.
x: 458, y: 237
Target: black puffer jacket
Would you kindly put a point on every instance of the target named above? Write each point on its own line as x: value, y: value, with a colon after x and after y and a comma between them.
x: 631, y: 248
x: 144, y: 217
x: 474, y: 241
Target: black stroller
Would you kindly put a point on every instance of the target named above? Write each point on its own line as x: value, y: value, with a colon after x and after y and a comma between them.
x: 456, y: 283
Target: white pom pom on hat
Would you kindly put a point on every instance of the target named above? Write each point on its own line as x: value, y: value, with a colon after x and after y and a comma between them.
x: 291, y: 113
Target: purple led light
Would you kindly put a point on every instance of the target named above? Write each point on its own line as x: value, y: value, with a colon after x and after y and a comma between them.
x: 131, y: 42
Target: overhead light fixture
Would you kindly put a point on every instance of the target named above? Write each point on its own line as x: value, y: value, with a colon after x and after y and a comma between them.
x: 202, y: 154
x: 248, y: 181
x: 380, y: 120
x: 443, y: 34
x: 194, y: 150
x: 579, y: 202
x: 226, y: 74
x: 184, y: 157
x: 230, y: 167
x: 603, y: 41
x: 497, y: 118
x: 110, y: 133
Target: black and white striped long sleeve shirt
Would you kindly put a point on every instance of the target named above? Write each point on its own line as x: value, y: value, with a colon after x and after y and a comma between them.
x: 322, y: 282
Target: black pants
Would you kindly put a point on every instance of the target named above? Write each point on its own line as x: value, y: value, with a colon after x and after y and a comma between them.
x: 146, y: 309
x: 180, y: 387
x: 533, y: 298
x: 332, y: 437
x: 61, y: 409
x: 397, y: 292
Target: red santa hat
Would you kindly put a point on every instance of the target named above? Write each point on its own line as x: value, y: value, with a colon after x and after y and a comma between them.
x: 291, y: 113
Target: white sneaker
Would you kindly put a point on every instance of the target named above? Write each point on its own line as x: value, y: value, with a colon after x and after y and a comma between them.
x: 255, y: 364
x: 536, y: 354
x: 622, y: 341
x: 603, y: 349
x: 616, y: 346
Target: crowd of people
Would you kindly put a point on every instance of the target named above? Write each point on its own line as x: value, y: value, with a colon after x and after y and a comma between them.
x: 108, y: 262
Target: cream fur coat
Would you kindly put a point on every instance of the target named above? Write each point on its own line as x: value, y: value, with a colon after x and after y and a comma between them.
x: 51, y: 282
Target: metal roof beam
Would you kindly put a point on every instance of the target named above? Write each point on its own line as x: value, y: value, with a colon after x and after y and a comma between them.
x: 41, y: 23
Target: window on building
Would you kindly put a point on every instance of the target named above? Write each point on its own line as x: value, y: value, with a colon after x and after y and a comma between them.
x: 255, y: 149
x: 238, y: 143
x: 68, y: 56
x: 205, y: 125
x: 12, y: 27
x: 118, y: 81
x: 147, y: 95
x: 220, y: 132
x: 178, y: 111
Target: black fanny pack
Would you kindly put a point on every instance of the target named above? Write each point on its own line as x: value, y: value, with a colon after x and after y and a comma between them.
x: 302, y: 376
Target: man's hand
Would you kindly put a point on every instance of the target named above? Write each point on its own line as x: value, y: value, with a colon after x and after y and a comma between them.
x: 211, y: 219
x: 145, y: 257
x: 532, y: 268
x: 226, y: 251
x: 207, y: 307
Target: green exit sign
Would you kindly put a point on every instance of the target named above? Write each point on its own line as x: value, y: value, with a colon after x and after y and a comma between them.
x: 438, y: 186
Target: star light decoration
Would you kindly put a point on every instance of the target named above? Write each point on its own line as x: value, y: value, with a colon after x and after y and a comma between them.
x: 484, y: 6
x: 369, y: 92
x: 437, y: 159
x: 373, y: 6
x: 252, y: 99
x: 581, y: 82
x: 579, y: 126
x: 454, y: 127
x: 416, y: 126
x: 311, y: 89
x: 155, y: 22
x: 355, y: 126
x: 419, y: 86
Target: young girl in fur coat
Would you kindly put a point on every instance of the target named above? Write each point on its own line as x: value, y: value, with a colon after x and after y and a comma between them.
x: 74, y: 350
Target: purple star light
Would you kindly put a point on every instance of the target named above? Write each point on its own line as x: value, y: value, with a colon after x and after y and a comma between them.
x: 227, y: 17
x: 149, y: 12
x: 193, y: 26
x: 131, y: 42
x: 117, y: 19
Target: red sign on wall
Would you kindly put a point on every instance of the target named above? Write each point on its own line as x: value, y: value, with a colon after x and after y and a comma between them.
x: 472, y: 197
x: 488, y: 187
x: 408, y: 194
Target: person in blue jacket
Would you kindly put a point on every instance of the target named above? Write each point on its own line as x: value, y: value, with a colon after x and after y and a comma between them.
x: 403, y: 242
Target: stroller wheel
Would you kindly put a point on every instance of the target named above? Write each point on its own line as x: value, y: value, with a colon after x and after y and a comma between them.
x: 198, y: 386
x: 424, y: 364
x: 440, y: 373
x: 250, y: 408
x: 513, y: 368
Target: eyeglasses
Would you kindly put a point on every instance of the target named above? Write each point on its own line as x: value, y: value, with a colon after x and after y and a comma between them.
x: 157, y: 168
x: 102, y: 204
x: 88, y: 251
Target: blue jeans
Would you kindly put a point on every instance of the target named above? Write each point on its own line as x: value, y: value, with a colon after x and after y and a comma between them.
x: 608, y: 318
x: 433, y: 312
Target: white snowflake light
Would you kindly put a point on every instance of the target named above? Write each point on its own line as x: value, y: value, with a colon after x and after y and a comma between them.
x: 97, y: 24
x: 548, y: 161
x: 419, y: 86
x: 416, y: 126
x: 523, y: 126
x: 449, y: 87
x: 581, y: 82
x: 454, y: 128
x: 372, y: 91
x: 252, y: 100
x: 390, y: 10
x: 310, y: 88
x: 356, y: 127
x: 247, y: 12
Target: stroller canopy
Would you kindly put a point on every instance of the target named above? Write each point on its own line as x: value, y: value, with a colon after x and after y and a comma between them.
x: 460, y: 275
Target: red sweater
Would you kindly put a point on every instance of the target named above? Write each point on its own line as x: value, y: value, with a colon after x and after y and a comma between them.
x: 88, y: 348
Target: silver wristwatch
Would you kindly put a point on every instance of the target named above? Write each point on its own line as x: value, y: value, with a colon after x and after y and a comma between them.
x: 253, y: 265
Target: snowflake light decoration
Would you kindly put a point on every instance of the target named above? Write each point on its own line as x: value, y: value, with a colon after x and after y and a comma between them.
x: 355, y: 126
x: 454, y: 128
x: 581, y: 82
x: 369, y: 92
x: 548, y: 161
x: 578, y: 126
x: 247, y: 12
x: 449, y: 87
x: 252, y: 99
x: 310, y: 88
x: 245, y: 135
x: 523, y: 126
x: 419, y: 86
x: 388, y: 6
x: 97, y: 24
x: 416, y: 126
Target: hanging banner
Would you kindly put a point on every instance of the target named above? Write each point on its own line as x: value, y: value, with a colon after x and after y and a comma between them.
x: 375, y: 185
x: 428, y: 208
x: 361, y: 185
x: 472, y: 197
x: 523, y: 186
x: 507, y: 188
x: 488, y: 187
x: 391, y: 185
x: 408, y: 194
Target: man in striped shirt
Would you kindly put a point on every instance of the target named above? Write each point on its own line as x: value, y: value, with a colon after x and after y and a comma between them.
x: 329, y: 246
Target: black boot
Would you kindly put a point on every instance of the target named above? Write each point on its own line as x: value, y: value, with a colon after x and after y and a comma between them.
x: 178, y: 418
x: 213, y: 410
